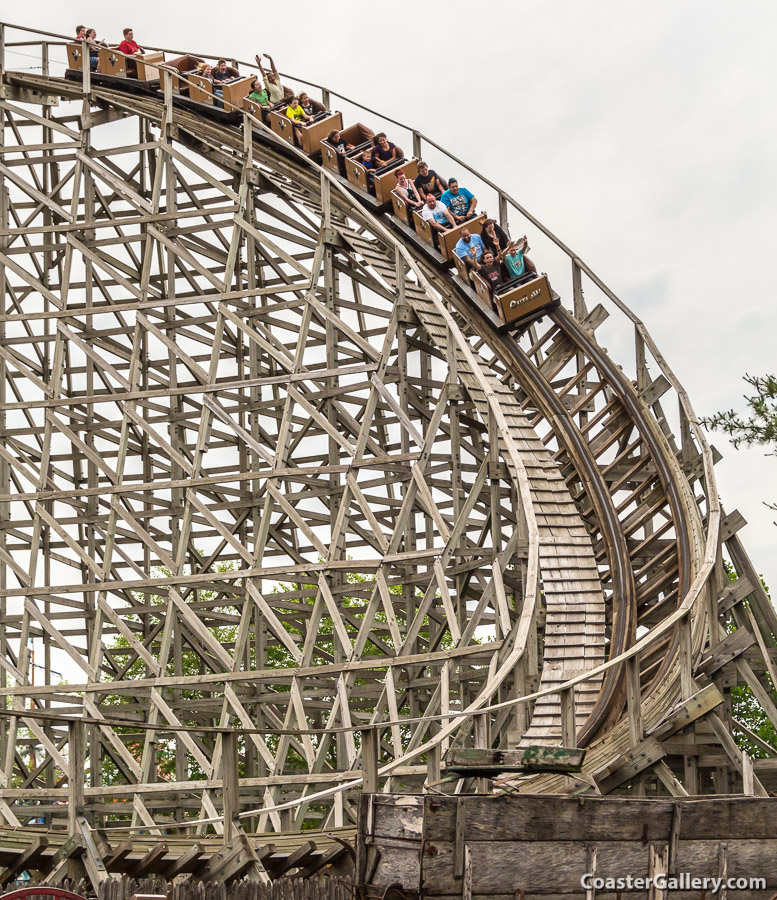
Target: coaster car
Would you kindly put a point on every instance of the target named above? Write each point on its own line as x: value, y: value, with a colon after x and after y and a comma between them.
x: 183, y: 67
x: 518, y: 299
x: 358, y: 135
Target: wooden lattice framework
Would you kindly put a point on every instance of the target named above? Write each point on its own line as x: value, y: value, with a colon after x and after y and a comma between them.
x: 268, y: 481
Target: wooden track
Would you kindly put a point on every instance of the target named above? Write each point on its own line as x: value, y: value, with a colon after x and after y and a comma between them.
x: 288, y: 478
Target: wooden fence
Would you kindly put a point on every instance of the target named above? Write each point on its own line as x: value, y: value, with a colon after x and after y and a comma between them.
x: 190, y: 889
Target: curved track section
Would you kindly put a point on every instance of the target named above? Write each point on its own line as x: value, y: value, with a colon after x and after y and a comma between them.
x: 266, y: 467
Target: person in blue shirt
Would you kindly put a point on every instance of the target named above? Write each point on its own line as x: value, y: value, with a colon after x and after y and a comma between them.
x: 515, y: 261
x: 469, y: 247
x: 461, y: 202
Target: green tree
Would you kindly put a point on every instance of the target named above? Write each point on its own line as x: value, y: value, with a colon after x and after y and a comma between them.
x: 744, y: 706
x: 759, y: 426
x: 277, y: 656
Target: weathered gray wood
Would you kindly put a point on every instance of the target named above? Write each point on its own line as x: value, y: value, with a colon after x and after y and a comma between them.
x: 473, y: 761
x: 658, y: 868
x: 92, y: 858
x: 300, y: 857
x: 114, y: 862
x: 370, y: 760
x: 187, y: 861
x: 530, y: 817
x: 637, y: 760
x: 56, y: 866
x: 26, y: 859
x: 705, y: 700
x: 556, y: 867
x: 149, y: 859
x: 727, y: 649
x: 198, y: 295
x: 674, y: 838
x: 77, y: 757
x: 229, y: 763
x: 321, y: 861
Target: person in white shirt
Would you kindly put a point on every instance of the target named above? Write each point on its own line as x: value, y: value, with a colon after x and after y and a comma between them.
x: 437, y: 214
x: 407, y: 190
x: 272, y: 81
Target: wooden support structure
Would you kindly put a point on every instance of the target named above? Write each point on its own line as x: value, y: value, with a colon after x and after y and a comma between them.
x: 269, y: 479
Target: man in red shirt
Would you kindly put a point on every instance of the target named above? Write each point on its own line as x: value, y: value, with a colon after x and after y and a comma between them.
x: 129, y: 46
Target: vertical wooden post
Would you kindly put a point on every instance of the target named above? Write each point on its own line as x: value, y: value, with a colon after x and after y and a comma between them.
x: 325, y: 98
x: 76, y: 763
x: 416, y: 145
x: 480, y: 740
x: 690, y: 765
x: 686, y: 658
x: 2, y: 48
x: 634, y: 700
x: 687, y: 446
x: 658, y: 865
x: 231, y: 786
x: 248, y: 141
x: 568, y: 729
x: 643, y: 378
x: 503, y: 218
x: 723, y: 870
x: 167, y: 91
x: 634, y: 711
x: 748, y: 784
x: 86, y: 69
x: 339, y: 809
x: 579, y: 307
x: 433, y: 763
x: 370, y: 760
x: 480, y: 731
x: 590, y: 892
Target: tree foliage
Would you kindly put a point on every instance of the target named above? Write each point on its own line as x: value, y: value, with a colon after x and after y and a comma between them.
x: 276, y: 656
x: 759, y: 426
x: 744, y: 706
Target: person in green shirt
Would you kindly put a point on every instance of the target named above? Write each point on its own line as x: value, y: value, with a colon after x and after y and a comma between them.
x: 259, y: 93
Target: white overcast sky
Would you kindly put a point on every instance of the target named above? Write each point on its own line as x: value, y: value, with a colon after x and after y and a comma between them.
x: 643, y: 134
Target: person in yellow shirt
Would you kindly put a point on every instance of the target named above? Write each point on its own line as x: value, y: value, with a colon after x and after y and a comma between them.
x: 296, y: 113
x: 299, y: 117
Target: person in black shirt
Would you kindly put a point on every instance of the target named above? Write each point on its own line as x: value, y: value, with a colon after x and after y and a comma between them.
x: 94, y: 48
x: 490, y: 269
x: 311, y: 107
x: 222, y: 72
x: 429, y: 182
x: 219, y: 75
x: 494, y: 237
x: 339, y: 142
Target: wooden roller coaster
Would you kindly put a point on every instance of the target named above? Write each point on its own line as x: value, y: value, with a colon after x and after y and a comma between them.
x: 288, y: 514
